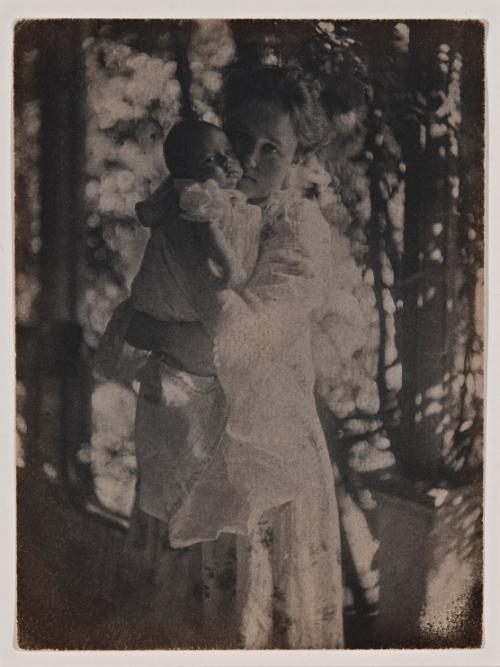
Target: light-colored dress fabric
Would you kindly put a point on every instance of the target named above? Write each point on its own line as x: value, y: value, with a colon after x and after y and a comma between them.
x: 273, y: 449
x: 271, y: 465
x: 235, y: 224
x: 238, y: 464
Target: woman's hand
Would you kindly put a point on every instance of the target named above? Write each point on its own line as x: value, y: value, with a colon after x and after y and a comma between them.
x: 186, y: 342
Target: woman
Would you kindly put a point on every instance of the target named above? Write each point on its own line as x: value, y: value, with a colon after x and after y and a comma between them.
x: 254, y: 523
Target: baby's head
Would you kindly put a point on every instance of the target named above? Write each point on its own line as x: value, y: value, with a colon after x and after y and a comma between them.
x: 200, y: 151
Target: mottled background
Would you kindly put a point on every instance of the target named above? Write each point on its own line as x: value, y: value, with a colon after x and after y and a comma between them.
x: 399, y: 359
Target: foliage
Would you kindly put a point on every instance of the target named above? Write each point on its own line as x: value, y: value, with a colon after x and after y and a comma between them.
x: 141, y: 76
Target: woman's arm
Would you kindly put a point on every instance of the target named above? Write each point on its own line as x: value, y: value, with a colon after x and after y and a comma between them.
x: 273, y: 310
x: 186, y: 342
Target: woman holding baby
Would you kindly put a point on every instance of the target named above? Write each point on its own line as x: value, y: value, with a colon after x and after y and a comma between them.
x: 235, y: 534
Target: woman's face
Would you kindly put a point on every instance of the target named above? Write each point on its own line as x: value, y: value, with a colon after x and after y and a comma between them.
x: 264, y: 140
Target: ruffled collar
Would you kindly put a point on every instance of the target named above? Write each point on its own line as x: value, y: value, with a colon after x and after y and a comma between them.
x: 165, y: 200
x: 279, y: 201
x: 180, y: 184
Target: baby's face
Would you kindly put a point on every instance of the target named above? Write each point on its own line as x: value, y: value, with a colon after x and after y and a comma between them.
x: 211, y: 157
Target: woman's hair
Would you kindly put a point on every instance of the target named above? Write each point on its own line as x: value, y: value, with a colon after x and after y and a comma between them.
x: 298, y: 94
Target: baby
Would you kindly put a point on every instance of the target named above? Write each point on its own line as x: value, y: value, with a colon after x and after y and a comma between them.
x: 205, y: 174
x: 199, y: 151
x: 197, y: 208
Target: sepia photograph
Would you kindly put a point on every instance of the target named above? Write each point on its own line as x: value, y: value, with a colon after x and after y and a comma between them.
x: 249, y: 302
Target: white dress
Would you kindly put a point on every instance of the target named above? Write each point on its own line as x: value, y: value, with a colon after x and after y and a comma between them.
x: 238, y: 464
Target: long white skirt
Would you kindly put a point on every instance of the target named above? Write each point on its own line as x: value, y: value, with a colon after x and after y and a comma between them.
x: 272, y: 589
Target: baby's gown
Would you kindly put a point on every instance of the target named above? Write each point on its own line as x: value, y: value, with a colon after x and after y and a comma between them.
x: 244, y: 545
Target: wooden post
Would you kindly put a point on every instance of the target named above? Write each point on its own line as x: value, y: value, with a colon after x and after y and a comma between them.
x: 432, y: 220
x: 64, y: 380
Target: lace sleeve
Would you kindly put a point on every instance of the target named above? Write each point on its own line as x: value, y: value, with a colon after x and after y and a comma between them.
x: 288, y: 284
